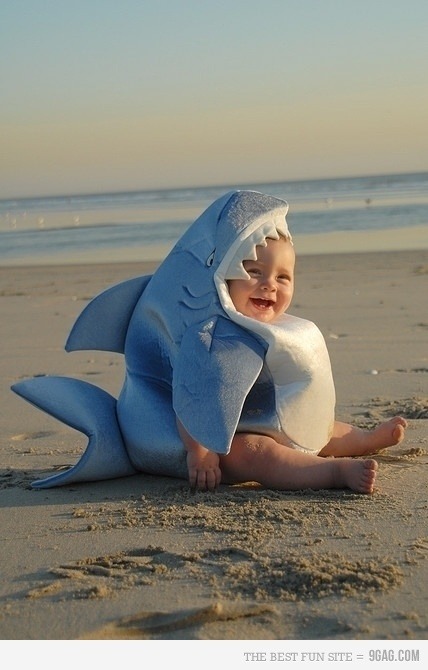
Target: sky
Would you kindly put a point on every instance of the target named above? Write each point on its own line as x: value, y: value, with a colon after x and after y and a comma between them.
x: 103, y: 95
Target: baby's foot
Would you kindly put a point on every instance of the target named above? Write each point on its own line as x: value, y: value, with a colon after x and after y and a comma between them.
x: 387, y: 434
x: 358, y: 475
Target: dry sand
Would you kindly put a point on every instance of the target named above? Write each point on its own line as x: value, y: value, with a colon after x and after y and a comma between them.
x: 143, y: 558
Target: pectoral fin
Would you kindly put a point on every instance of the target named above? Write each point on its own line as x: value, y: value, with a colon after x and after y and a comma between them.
x: 216, y: 367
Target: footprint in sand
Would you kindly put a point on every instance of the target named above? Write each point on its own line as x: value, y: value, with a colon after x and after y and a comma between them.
x: 102, y: 576
x: 409, y: 408
x: 10, y: 479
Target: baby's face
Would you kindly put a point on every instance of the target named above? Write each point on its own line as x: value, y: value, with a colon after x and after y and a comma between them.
x: 268, y: 292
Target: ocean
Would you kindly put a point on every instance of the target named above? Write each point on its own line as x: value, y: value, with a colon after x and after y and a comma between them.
x: 105, y: 225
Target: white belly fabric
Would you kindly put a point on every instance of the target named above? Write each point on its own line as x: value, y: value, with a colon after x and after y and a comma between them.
x: 298, y: 361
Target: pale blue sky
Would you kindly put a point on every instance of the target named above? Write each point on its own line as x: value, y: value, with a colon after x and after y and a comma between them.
x: 99, y: 95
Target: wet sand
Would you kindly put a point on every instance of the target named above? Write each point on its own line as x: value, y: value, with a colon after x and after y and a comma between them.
x: 143, y: 558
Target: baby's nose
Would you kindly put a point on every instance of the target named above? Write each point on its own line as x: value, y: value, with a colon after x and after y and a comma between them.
x: 268, y: 284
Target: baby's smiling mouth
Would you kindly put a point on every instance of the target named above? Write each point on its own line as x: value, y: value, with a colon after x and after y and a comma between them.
x: 261, y: 303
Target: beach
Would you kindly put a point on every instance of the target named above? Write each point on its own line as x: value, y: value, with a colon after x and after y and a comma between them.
x: 142, y: 558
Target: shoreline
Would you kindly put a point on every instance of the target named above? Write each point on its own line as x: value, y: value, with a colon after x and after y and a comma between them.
x: 338, y: 242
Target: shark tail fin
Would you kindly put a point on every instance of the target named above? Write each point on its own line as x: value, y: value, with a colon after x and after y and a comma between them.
x: 90, y: 410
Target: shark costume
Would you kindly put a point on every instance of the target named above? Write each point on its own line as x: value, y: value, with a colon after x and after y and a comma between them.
x: 190, y: 354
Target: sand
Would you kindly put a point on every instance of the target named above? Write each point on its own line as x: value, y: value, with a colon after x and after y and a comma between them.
x: 142, y: 558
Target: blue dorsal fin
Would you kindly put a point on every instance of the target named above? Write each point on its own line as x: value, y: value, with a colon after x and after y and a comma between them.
x: 103, y: 324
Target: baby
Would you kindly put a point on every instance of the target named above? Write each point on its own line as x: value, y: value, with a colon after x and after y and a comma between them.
x: 274, y: 462
x: 222, y: 383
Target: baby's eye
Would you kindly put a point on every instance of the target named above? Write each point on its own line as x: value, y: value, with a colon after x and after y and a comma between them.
x: 283, y: 278
x: 253, y: 272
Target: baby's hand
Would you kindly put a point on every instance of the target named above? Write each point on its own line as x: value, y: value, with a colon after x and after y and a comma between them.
x: 202, y: 464
x: 203, y: 468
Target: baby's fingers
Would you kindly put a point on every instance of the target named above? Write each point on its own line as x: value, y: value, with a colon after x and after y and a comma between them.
x: 197, y: 480
x: 213, y: 479
x: 202, y: 480
x: 193, y: 478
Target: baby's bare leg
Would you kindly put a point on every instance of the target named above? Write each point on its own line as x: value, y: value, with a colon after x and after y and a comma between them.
x: 259, y: 458
x: 351, y: 441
